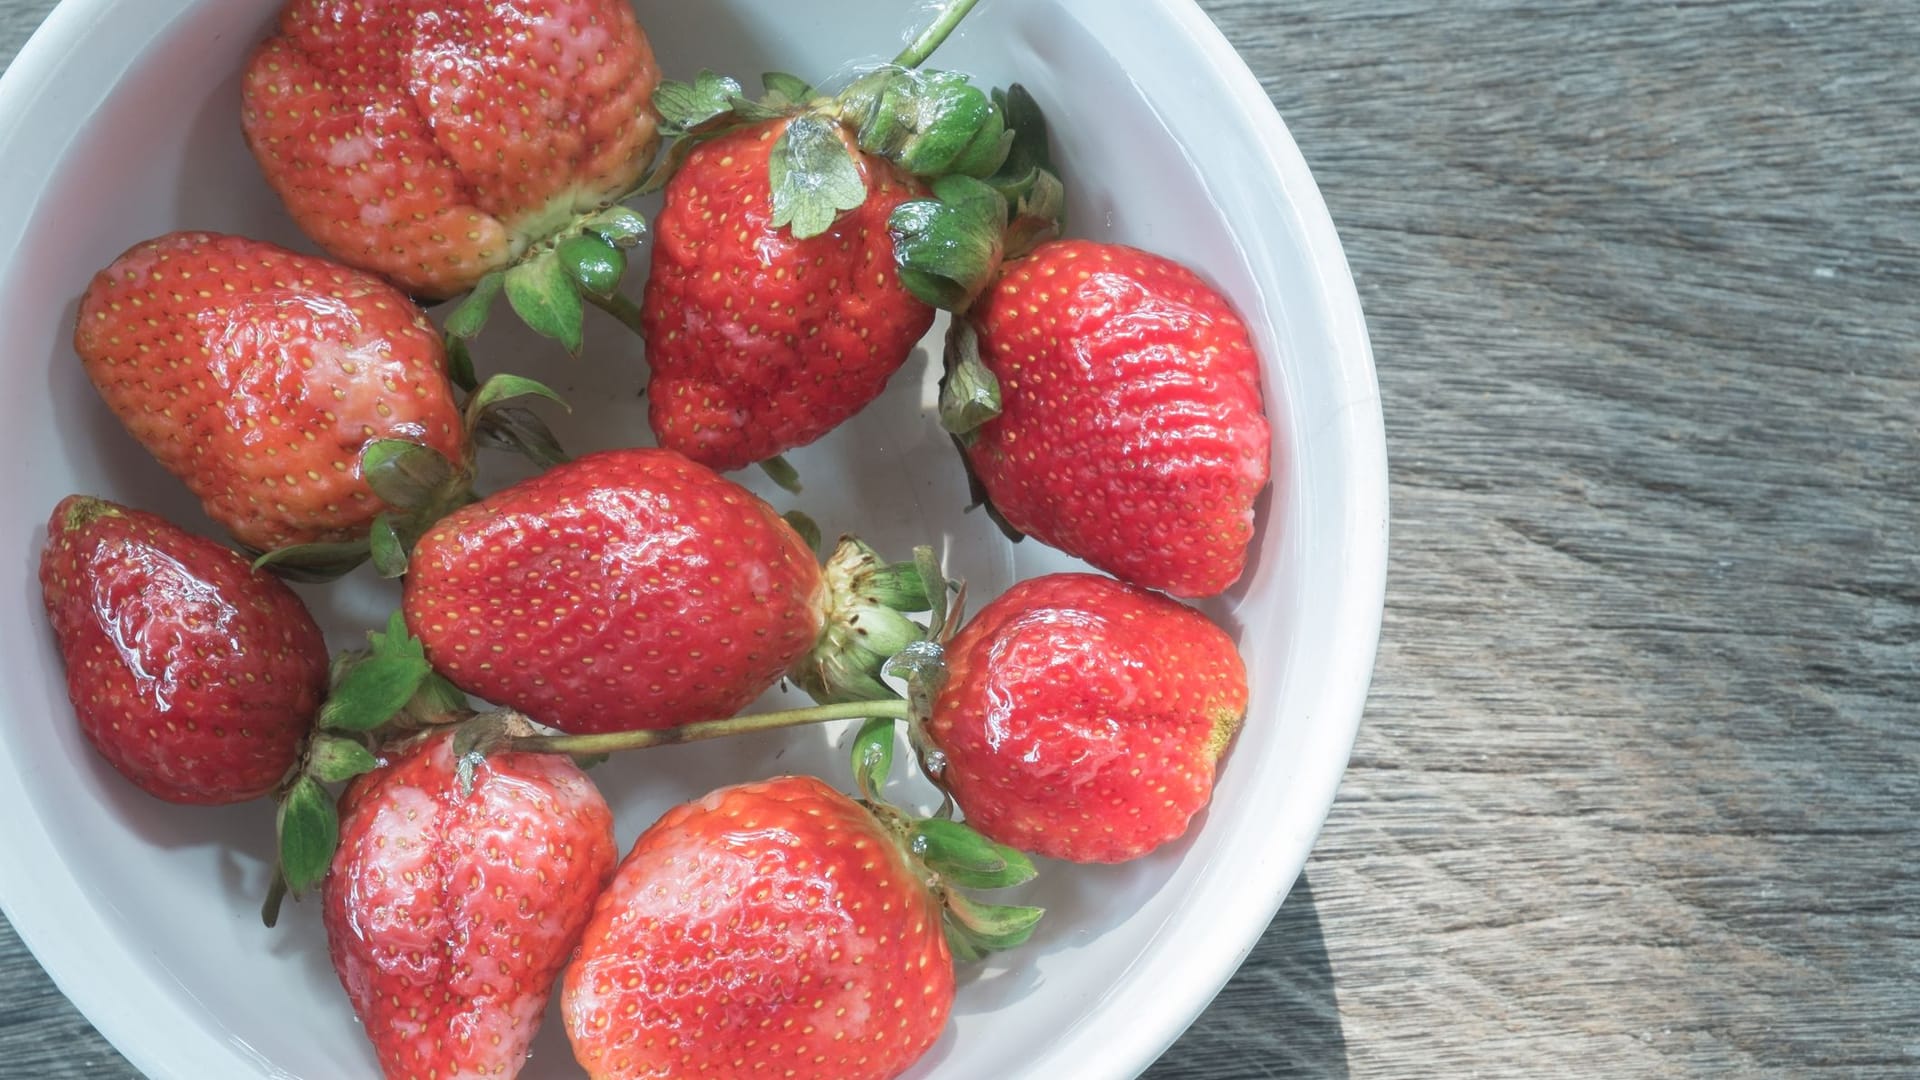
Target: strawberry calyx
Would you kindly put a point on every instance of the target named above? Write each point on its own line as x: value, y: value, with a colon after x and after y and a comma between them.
x: 420, y: 485
x: 927, y: 124
x: 378, y: 696
x: 949, y: 246
x: 951, y: 858
x: 580, y: 262
x: 867, y: 601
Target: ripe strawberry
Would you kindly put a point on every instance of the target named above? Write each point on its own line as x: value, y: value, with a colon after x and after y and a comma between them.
x: 449, y: 915
x: 1129, y: 431
x: 780, y: 929
x: 760, y: 341
x: 437, y: 141
x: 257, y: 376
x: 194, y: 676
x: 1083, y: 717
x: 782, y: 295
x: 636, y: 589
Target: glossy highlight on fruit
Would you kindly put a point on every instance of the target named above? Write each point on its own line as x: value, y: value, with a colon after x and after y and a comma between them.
x: 769, y: 929
x: 194, y: 676
x: 1083, y: 717
x: 434, y: 141
x: 628, y: 589
x: 450, y: 913
x: 759, y: 342
x: 257, y: 375
x: 1130, y: 431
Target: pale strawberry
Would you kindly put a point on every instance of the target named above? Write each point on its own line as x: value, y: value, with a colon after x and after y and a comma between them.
x: 257, y: 376
x: 436, y: 141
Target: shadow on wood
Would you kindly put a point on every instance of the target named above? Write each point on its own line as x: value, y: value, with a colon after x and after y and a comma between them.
x: 1277, y: 1017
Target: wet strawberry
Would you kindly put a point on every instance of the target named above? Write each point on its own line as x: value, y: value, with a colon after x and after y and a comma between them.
x: 1129, y: 431
x: 257, y: 376
x: 760, y: 341
x: 436, y: 141
x: 194, y: 676
x: 1083, y: 717
x: 777, y: 929
x: 449, y: 914
x: 636, y: 589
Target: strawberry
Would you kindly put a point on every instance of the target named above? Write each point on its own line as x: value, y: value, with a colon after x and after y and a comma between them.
x: 782, y: 297
x: 449, y: 914
x: 636, y: 589
x: 781, y: 929
x: 1083, y: 717
x: 259, y: 376
x: 1108, y: 403
x: 760, y: 341
x: 441, y: 142
x: 194, y: 676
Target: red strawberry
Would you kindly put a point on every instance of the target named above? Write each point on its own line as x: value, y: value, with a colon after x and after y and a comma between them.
x: 1083, y: 717
x: 196, y: 677
x: 636, y: 589
x: 760, y: 341
x: 449, y: 915
x: 435, y: 141
x: 1130, y: 432
x: 771, y: 929
x: 257, y: 376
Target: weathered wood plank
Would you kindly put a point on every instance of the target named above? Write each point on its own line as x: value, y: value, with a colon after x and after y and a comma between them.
x: 1637, y: 790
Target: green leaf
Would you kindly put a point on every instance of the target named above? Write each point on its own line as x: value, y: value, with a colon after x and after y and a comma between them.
x: 969, y: 391
x: 332, y: 759
x: 377, y: 688
x: 873, y: 756
x: 471, y: 315
x: 518, y: 430
x: 808, y: 528
x: 1024, y: 118
x: 389, y: 551
x: 621, y: 226
x: 933, y: 582
x: 592, y: 262
x: 546, y: 299
x: 506, y: 388
x: 309, y: 830
x: 898, y: 586
x: 958, y: 944
x: 949, y: 115
x: 784, y: 89
x: 406, y: 475
x: 949, y: 247
x: 814, y: 177
x: 437, y: 700
x: 782, y: 472
x: 460, y: 364
x: 686, y: 106
x: 317, y: 563
x: 966, y: 858
x: 991, y: 927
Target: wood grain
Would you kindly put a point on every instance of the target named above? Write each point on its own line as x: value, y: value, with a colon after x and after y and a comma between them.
x: 1636, y: 795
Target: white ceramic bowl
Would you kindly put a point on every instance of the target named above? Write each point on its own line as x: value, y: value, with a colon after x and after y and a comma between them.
x: 120, y: 121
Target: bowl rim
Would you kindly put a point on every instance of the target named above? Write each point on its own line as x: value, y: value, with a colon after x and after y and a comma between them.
x: 93, y: 977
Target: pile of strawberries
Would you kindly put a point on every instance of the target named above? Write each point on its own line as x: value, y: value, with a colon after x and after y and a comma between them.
x: 1103, y: 400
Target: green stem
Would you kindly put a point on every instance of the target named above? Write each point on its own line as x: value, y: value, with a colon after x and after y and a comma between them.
x: 619, y: 307
x: 933, y: 36
x: 616, y: 741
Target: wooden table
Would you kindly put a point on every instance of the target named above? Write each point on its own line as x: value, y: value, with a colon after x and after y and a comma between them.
x: 1639, y: 782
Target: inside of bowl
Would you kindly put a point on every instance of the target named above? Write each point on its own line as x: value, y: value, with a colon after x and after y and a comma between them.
x: 1155, y: 154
